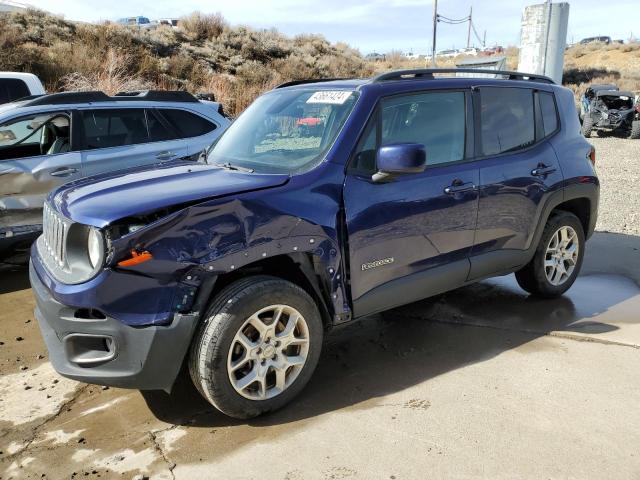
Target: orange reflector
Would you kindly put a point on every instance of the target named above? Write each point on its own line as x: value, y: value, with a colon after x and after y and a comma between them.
x: 592, y: 156
x: 135, y: 259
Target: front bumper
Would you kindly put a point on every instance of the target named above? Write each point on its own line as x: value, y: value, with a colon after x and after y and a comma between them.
x: 102, y: 350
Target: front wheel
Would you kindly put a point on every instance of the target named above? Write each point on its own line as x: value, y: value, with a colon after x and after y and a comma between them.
x: 558, y: 258
x: 257, y: 347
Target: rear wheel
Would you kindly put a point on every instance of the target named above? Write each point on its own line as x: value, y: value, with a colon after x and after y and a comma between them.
x: 635, y: 130
x: 558, y: 258
x: 587, y: 125
x: 258, y: 346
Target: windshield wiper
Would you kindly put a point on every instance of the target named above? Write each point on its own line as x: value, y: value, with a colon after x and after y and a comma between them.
x: 236, y: 168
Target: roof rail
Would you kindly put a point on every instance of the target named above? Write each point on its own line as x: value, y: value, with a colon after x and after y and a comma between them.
x: 96, y: 97
x: 310, y: 80
x: 157, y: 95
x: 428, y: 73
x: 68, y: 97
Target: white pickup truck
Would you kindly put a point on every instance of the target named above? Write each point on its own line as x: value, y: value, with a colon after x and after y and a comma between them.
x: 15, y: 85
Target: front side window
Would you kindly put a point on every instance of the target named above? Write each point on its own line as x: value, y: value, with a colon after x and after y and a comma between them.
x: 38, y: 134
x: 436, y: 120
x: 506, y: 119
x: 114, y: 128
x: 285, y: 131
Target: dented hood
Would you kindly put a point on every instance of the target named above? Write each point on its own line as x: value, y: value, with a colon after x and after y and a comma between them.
x: 98, y: 201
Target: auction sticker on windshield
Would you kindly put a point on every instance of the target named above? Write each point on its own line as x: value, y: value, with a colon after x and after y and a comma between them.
x: 336, y: 97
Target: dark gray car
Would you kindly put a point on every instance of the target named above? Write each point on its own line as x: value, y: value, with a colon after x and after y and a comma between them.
x: 606, y: 109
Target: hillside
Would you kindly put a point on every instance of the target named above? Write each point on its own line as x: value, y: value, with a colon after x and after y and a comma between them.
x: 205, y: 55
x: 236, y: 63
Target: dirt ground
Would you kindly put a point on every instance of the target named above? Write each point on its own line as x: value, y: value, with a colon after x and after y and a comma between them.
x: 480, y: 382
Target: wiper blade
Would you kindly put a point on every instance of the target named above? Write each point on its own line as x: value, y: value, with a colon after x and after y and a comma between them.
x: 236, y: 168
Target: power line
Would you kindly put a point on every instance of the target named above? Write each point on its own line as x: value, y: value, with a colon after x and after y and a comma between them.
x: 475, y: 32
x: 442, y: 18
x: 458, y: 21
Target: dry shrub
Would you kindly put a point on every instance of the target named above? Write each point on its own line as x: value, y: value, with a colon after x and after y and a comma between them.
x: 200, y: 26
x: 237, y: 93
x: 395, y: 59
x: 112, y: 77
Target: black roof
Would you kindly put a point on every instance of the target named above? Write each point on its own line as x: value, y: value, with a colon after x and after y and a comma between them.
x: 614, y: 93
x: 603, y: 86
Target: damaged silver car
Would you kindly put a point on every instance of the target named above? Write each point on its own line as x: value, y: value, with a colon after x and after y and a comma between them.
x: 605, y: 109
x: 54, y: 139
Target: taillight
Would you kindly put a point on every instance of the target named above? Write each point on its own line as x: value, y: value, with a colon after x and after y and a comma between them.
x: 592, y: 156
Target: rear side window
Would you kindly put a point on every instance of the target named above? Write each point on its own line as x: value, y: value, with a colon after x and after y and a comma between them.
x: 548, y: 111
x: 506, y: 119
x: 159, y: 129
x: 12, y: 89
x: 114, y: 128
x: 435, y: 120
x: 187, y: 124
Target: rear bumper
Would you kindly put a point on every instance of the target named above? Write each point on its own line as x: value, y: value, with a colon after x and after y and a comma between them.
x: 105, y: 351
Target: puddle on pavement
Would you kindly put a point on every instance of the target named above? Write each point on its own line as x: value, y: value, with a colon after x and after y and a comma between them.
x: 597, y: 306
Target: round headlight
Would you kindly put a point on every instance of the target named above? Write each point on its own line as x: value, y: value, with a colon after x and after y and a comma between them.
x: 95, y: 247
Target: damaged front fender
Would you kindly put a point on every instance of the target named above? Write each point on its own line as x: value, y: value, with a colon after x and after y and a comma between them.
x: 220, y: 237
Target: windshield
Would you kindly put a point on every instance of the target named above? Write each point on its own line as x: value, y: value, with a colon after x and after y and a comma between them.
x: 286, y: 131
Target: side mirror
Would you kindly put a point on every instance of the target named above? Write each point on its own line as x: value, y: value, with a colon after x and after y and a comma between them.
x: 399, y: 159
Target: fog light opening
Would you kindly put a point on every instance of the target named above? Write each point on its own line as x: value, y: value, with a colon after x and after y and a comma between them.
x: 87, y: 350
x: 89, y: 314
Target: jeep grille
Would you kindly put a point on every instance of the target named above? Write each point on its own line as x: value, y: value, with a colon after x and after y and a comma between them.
x: 54, y: 236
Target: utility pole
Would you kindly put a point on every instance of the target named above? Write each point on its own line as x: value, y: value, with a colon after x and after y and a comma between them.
x: 469, y: 30
x: 435, y: 23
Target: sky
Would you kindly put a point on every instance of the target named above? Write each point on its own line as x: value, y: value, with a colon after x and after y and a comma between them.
x: 374, y: 25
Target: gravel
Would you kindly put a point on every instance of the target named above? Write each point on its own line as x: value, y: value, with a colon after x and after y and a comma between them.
x: 618, y: 166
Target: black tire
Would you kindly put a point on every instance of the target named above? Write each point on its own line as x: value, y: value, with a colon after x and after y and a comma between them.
x: 532, y: 277
x: 635, y: 130
x: 227, y: 313
x: 587, y: 125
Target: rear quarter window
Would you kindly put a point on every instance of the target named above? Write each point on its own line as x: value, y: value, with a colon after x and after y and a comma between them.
x: 507, y: 121
x: 187, y: 124
x: 549, y: 113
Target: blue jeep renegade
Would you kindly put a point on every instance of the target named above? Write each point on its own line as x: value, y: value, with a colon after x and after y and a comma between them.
x: 324, y: 201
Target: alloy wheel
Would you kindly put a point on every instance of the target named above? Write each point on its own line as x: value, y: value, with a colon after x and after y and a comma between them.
x: 561, y: 255
x: 268, y: 352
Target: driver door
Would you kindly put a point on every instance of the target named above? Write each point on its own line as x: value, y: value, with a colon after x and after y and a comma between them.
x: 36, y: 155
x: 410, y: 237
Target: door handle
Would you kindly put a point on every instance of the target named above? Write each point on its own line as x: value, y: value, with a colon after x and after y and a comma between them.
x: 542, y: 170
x: 165, y: 155
x: 63, y: 172
x: 458, y: 187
